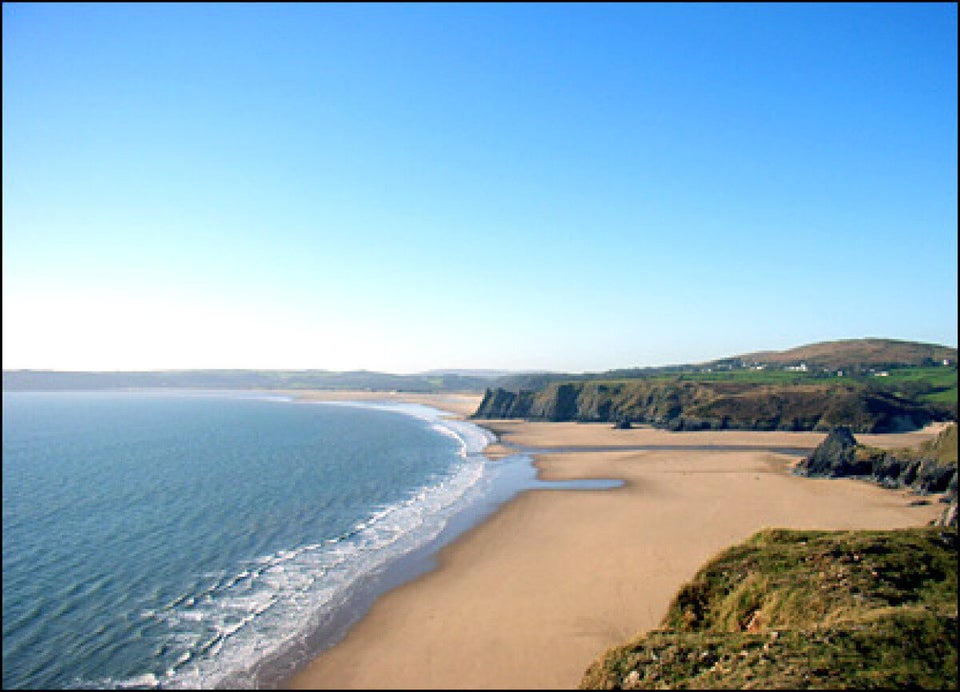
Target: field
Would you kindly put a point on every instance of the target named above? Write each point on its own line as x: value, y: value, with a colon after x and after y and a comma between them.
x: 935, y: 385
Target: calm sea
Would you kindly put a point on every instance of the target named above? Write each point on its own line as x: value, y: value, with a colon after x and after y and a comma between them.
x: 161, y: 539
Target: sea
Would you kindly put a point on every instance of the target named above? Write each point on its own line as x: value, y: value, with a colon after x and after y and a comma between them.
x: 198, y: 539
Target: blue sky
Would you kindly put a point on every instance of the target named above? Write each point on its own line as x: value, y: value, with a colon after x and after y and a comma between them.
x: 401, y: 187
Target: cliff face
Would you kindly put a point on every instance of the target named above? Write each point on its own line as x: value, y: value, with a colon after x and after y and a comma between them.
x: 835, y: 457
x: 687, y: 405
x: 499, y: 403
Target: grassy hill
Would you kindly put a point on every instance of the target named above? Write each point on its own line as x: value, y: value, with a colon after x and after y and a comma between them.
x: 853, y: 354
x: 805, y: 609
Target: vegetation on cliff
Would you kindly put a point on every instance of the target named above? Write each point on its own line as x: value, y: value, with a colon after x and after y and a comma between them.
x: 942, y: 450
x: 690, y: 404
x: 805, y: 609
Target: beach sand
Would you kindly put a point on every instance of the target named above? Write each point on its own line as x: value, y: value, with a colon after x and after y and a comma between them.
x: 529, y: 598
x: 541, y: 435
x: 459, y: 405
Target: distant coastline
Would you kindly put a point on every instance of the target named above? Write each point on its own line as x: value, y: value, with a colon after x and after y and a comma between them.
x: 48, y: 380
x: 871, y: 385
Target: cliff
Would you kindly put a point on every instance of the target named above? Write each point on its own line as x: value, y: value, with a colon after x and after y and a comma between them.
x: 805, y: 609
x: 679, y: 404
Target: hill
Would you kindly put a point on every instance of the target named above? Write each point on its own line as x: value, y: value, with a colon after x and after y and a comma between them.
x: 805, y: 609
x: 871, y: 385
x: 858, y: 355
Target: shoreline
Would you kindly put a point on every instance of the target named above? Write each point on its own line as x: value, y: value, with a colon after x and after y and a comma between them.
x: 458, y: 404
x: 505, y: 480
x: 331, y: 624
x: 533, y: 591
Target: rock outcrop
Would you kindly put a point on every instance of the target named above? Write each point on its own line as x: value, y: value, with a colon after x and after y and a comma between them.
x: 932, y: 468
x: 835, y: 457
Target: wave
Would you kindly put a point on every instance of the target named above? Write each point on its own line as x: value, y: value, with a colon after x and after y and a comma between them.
x: 227, y: 628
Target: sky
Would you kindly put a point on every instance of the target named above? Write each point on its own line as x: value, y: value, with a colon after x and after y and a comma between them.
x: 400, y: 187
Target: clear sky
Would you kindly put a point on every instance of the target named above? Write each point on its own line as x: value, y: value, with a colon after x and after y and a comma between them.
x: 571, y: 187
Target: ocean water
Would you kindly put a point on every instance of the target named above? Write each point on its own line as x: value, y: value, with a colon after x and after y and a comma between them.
x: 189, y: 539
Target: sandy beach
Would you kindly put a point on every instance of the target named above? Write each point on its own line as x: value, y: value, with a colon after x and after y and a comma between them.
x: 460, y: 405
x: 529, y: 598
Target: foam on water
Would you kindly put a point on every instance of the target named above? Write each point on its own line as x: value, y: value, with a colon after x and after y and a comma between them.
x: 231, y: 623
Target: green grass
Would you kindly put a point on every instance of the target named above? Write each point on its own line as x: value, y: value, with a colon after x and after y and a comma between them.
x: 946, y: 398
x: 805, y: 609
x: 944, y: 448
x: 928, y: 385
x: 767, y: 376
x: 934, y: 385
x: 944, y: 377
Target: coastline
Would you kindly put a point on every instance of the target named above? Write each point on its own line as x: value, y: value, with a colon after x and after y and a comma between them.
x: 532, y: 594
x: 459, y: 405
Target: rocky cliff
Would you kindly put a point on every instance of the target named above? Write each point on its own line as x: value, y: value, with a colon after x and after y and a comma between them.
x: 677, y: 404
